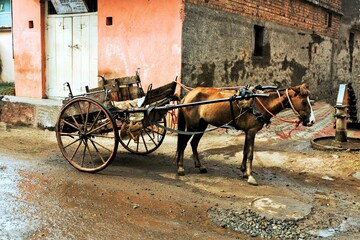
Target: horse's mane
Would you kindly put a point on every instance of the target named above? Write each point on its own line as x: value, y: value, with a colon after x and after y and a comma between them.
x: 303, y: 90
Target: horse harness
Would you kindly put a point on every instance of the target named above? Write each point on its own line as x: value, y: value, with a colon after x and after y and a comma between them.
x: 231, y: 124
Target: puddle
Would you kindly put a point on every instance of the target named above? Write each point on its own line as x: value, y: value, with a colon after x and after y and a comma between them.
x: 345, y: 226
x: 279, y: 207
x: 14, y: 223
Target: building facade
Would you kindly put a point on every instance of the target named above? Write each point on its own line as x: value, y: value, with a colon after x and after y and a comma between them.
x: 205, y: 42
x: 75, y: 41
x: 282, y: 43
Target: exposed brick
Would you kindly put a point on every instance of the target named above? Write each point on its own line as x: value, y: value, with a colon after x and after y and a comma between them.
x: 17, y: 113
x: 300, y: 14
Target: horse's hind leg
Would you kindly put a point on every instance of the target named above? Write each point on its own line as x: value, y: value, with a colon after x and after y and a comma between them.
x: 181, y: 145
x: 194, y: 145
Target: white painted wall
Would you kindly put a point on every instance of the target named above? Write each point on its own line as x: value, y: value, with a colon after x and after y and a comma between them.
x: 6, y: 56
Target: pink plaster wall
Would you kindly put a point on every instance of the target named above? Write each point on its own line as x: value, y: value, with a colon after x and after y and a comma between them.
x: 144, y: 34
x: 27, y: 48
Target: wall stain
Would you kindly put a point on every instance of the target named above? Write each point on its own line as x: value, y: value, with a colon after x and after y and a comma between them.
x: 298, y: 70
x: 264, y: 60
x: 225, y: 77
x: 282, y: 84
x: 316, y: 39
x: 237, y: 67
x: 207, y: 77
x: 237, y: 71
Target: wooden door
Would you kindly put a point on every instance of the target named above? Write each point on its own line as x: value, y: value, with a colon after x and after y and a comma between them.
x: 71, y: 53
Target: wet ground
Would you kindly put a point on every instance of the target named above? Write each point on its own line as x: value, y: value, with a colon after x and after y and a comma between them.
x: 141, y: 197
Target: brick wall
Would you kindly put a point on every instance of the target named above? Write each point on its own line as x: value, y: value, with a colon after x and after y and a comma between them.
x: 300, y: 14
x: 28, y: 114
x: 17, y: 114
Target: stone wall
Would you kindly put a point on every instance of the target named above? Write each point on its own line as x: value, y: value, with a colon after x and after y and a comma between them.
x: 218, y: 50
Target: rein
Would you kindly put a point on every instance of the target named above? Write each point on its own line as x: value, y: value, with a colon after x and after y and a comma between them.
x: 297, y: 121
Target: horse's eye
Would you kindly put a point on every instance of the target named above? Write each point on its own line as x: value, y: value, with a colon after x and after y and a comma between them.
x: 304, y: 103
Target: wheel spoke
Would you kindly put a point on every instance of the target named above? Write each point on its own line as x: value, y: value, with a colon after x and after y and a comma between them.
x: 72, y: 135
x: 97, y: 151
x: 95, y: 142
x: 91, y: 157
x: 72, y: 143
x: 83, y: 156
x: 151, y: 137
x: 77, y: 127
x: 151, y: 130
x: 72, y: 157
x: 142, y: 137
x: 87, y: 117
x: 95, y: 120
x: 80, y: 112
x: 99, y: 127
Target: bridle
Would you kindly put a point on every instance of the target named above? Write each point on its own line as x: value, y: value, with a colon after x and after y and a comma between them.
x: 297, y: 121
x: 291, y: 104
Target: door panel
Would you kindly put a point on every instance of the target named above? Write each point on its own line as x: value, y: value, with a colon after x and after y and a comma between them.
x: 71, y: 53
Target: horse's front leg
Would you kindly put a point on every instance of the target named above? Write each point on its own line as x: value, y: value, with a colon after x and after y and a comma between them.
x: 194, y: 145
x: 248, y: 154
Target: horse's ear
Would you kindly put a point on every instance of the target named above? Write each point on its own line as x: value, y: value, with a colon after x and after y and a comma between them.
x: 296, y: 89
x: 301, y: 89
x: 304, y: 89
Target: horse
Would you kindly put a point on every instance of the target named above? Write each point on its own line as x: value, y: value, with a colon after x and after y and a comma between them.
x: 194, y: 119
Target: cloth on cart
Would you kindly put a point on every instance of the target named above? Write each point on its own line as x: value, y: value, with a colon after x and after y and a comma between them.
x: 137, y: 102
x: 131, y: 128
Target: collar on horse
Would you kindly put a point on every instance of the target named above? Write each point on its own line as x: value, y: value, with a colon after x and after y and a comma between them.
x: 244, y: 108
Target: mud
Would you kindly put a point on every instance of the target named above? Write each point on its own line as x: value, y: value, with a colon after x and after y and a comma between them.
x: 141, y: 197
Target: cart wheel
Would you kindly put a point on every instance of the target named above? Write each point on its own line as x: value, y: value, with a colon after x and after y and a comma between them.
x: 87, y: 135
x: 147, y: 139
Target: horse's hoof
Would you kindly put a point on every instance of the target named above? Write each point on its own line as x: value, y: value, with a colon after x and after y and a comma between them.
x: 252, y: 181
x: 203, y: 170
x: 245, y: 176
x: 181, y: 171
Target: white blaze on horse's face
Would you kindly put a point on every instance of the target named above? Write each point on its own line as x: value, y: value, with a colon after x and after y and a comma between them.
x: 311, y: 119
x: 312, y: 115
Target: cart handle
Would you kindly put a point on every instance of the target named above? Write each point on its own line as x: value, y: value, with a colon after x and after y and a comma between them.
x: 232, y: 98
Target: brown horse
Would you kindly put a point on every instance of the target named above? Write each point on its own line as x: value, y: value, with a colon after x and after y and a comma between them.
x: 249, y: 119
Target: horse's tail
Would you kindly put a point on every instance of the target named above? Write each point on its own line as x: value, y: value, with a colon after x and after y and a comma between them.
x: 181, y: 122
x: 181, y: 127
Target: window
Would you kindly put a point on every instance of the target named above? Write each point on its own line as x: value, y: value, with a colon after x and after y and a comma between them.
x: 5, y: 14
x: 351, y: 49
x: 259, y: 41
x: 328, y: 20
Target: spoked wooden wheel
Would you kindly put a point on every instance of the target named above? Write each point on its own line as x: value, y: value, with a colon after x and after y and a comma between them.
x: 87, y: 135
x: 145, y: 140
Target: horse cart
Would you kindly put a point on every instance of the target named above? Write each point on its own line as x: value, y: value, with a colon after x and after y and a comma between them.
x: 91, y: 125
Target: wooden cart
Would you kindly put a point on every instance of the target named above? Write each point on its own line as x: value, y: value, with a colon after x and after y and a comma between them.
x: 90, y: 126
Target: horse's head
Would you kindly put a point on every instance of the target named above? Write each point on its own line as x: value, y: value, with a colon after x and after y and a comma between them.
x: 299, y: 101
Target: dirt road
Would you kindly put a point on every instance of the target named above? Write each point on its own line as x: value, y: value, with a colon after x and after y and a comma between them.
x: 141, y: 197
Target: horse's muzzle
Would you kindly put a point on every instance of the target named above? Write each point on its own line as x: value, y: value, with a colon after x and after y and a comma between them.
x: 308, y: 122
